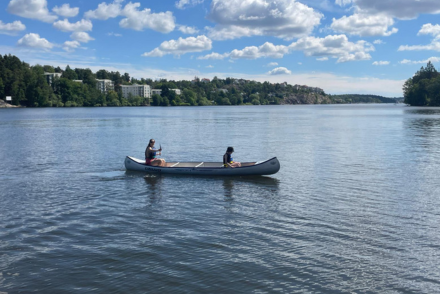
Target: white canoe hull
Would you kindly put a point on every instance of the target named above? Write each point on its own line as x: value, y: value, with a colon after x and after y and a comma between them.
x: 267, y: 167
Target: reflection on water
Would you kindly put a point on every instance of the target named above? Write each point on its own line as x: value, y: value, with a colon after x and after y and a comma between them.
x: 259, y: 182
x: 422, y: 111
x: 154, y: 188
x: 422, y: 126
x: 228, y: 186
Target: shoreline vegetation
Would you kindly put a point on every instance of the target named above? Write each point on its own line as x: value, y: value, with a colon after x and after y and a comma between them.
x: 29, y: 87
x: 423, y: 89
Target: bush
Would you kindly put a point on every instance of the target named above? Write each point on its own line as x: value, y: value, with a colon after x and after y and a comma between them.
x: 70, y: 104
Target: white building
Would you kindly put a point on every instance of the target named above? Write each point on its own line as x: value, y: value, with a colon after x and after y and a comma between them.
x: 105, y: 85
x: 159, y: 91
x: 156, y: 91
x: 136, y: 90
x: 51, y: 76
x: 177, y: 91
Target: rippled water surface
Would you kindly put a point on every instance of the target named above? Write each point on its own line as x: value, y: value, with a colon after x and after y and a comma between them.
x: 355, y: 207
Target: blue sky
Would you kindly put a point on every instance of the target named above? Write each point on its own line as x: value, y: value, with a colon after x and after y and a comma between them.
x: 342, y: 46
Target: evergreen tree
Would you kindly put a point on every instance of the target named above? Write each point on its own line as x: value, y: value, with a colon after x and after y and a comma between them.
x: 69, y: 74
x: 423, y: 88
x: 2, y: 89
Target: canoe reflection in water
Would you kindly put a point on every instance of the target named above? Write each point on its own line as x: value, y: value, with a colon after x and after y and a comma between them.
x: 266, y: 183
x: 154, y: 183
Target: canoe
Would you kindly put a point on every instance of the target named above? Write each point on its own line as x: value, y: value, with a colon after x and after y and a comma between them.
x: 268, y: 167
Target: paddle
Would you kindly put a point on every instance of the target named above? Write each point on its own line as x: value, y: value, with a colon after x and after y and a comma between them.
x: 159, y: 150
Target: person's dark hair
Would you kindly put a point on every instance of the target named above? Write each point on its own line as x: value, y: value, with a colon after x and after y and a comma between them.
x: 151, y: 141
x: 230, y: 149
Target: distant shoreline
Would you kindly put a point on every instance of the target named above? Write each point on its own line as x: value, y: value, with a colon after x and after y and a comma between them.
x: 4, y: 105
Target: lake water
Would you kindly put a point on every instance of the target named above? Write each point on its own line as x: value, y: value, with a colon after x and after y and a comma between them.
x: 355, y: 207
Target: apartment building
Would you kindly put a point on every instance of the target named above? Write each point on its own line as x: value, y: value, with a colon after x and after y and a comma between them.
x: 51, y: 76
x: 159, y: 91
x: 105, y: 85
x: 136, y: 90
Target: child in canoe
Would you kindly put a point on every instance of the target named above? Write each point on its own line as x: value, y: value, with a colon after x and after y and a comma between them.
x: 228, y: 161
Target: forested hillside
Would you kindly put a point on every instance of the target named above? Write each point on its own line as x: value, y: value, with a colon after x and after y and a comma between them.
x: 29, y: 87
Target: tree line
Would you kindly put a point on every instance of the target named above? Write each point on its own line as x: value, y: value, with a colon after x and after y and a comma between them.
x: 29, y: 87
x: 361, y: 98
x: 423, y: 89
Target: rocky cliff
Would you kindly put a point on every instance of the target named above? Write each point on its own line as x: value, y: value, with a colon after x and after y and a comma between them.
x: 3, y: 104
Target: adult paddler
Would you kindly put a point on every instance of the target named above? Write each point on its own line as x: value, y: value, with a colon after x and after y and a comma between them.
x: 151, y: 153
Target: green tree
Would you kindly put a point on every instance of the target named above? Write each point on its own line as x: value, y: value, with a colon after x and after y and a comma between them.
x: 165, y: 90
x: 156, y: 100
x: 48, y: 68
x: 69, y: 74
x: 112, y: 98
x: 2, y: 89
x: 423, y: 88
x: 164, y: 102
x: 189, y: 97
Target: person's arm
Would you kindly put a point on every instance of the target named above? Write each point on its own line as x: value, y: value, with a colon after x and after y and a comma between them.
x: 158, y: 151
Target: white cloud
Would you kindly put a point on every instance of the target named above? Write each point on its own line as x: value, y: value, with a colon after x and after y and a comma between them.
x: 336, y: 46
x: 265, y: 50
x: 70, y: 46
x: 188, y: 30
x: 272, y: 64
x: 66, y: 26
x: 378, y: 42
x: 144, y: 19
x: 182, y: 4
x: 181, y: 46
x: 114, y: 34
x: 82, y: 37
x: 402, y: 9
x: 12, y: 28
x: 252, y: 52
x: 432, y: 59
x: 429, y: 29
x: 105, y: 11
x: 214, y: 55
x: 285, y: 19
x: 381, y: 63
x: 343, y: 2
x: 209, y: 66
x: 66, y: 11
x: 279, y: 71
x: 434, y: 46
x: 322, y: 58
x: 34, y: 41
x: 364, y: 25
x: 35, y: 9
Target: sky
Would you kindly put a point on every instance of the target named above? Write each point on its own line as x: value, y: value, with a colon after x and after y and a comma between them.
x: 341, y: 46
